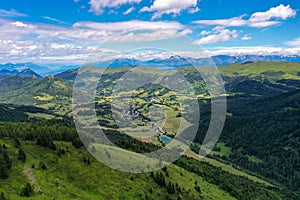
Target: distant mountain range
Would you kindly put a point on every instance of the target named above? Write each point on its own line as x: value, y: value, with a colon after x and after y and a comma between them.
x: 25, y: 73
x: 177, y: 61
x: 39, y: 69
x: 22, y: 66
x: 172, y: 62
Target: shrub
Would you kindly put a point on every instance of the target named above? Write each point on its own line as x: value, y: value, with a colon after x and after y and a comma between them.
x: 26, y: 190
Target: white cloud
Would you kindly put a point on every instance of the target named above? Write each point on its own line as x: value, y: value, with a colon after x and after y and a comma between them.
x: 19, y: 24
x: 22, y: 41
x: 263, y: 24
x: 235, y: 21
x: 230, y: 51
x: 15, y: 30
x: 205, y: 32
x: 279, y: 12
x: 294, y: 43
x: 194, y: 10
x: 91, y: 32
x: 130, y: 25
x: 94, y: 32
x: 254, y: 50
x: 129, y: 10
x: 11, y: 13
x: 32, y: 51
x: 160, y: 7
x: 54, y: 19
x: 149, y: 36
x: 246, y: 37
x: 258, y: 19
x: 98, y: 6
x: 218, y: 36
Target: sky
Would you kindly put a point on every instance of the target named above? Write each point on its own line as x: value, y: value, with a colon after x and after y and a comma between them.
x: 77, y: 31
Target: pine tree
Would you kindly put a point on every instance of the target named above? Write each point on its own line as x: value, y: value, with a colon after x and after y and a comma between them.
x: 88, y: 161
x: 17, y: 142
x: 2, y: 196
x: 171, y: 188
x: 45, y: 140
x: 198, y: 189
x: 26, y: 190
x: 3, y: 168
x: 21, y: 155
x: 5, y: 164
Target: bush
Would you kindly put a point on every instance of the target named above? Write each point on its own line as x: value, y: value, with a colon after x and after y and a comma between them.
x: 42, y: 166
x: 26, y: 190
x: 77, y: 143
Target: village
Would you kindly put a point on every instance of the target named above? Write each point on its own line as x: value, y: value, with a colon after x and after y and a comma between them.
x: 131, y: 113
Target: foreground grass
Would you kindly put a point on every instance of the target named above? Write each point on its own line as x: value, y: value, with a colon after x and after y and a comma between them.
x: 67, y: 177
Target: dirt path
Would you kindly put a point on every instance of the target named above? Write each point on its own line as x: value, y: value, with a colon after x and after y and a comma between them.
x: 28, y: 172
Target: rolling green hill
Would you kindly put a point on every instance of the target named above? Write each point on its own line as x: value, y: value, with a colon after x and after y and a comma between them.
x: 257, y: 156
x: 72, y: 173
x: 48, y: 93
x: 268, y: 70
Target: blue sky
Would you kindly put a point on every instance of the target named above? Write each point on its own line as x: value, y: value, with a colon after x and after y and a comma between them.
x: 70, y: 31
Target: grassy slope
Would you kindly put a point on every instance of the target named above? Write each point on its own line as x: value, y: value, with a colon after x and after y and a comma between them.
x: 226, y: 167
x: 276, y: 70
x: 264, y: 69
x: 47, y: 92
x: 68, y: 177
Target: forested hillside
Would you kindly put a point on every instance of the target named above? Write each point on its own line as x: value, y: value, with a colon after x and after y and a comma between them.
x: 257, y: 156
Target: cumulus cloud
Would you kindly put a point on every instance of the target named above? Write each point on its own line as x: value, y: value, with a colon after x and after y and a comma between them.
x: 175, y: 7
x: 33, y: 51
x: 258, y: 19
x: 205, y: 32
x: 280, y: 12
x: 98, y: 6
x: 218, y: 36
x: 246, y: 37
x: 92, y: 32
x: 23, y: 41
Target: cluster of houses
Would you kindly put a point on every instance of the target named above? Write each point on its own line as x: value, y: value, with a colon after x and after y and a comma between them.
x: 129, y: 114
x: 157, y: 128
x: 153, y: 100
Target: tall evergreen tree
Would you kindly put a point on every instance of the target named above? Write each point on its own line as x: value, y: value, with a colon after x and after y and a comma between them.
x: 21, y: 155
x: 5, y: 164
